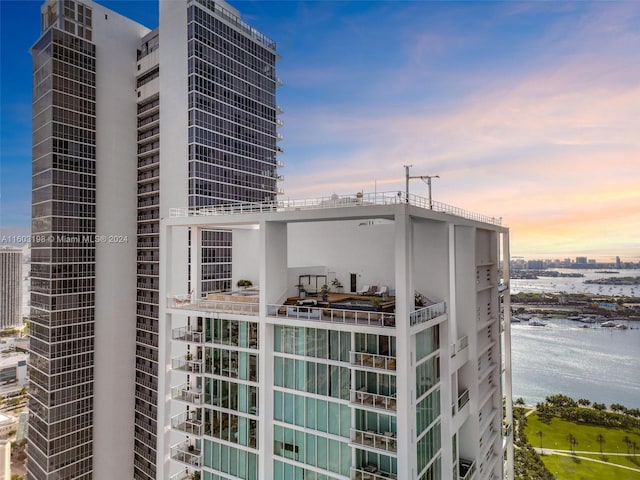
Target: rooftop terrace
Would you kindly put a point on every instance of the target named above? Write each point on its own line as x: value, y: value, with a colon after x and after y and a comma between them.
x: 335, y: 201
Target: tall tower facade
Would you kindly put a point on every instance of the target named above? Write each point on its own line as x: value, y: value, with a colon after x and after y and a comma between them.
x: 10, y: 287
x: 373, y: 344
x: 205, y: 95
x: 83, y: 277
x: 129, y: 122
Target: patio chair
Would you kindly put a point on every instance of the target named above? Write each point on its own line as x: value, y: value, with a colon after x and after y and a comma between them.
x: 364, y: 290
x: 383, y: 291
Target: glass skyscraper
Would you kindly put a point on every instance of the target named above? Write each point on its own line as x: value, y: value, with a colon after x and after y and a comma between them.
x: 129, y: 122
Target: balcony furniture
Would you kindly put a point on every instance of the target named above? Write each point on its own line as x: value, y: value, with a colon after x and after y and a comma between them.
x: 364, y: 290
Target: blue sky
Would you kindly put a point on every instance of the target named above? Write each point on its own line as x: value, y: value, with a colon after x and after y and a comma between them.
x: 526, y: 110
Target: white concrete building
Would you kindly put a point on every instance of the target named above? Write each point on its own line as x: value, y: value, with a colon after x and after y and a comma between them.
x: 405, y: 380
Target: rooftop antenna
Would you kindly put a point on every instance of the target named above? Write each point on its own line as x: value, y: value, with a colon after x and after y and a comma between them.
x: 424, y: 178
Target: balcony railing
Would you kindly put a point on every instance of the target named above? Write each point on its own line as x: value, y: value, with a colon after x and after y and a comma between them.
x: 459, y: 346
x: 188, y: 334
x: 427, y: 313
x: 186, y: 393
x: 185, y: 474
x: 187, y: 364
x: 249, y: 307
x: 185, y: 423
x: 366, y: 399
x: 358, y: 200
x: 186, y: 452
x: 371, y: 439
x: 371, y: 360
x: 333, y: 315
x: 463, y: 398
x: 467, y: 469
x: 370, y: 472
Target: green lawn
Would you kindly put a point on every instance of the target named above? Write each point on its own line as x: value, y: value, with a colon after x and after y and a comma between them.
x: 567, y: 468
x: 627, y: 461
x: 555, y: 436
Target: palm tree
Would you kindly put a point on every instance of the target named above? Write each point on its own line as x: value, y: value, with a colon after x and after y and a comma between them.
x: 600, y: 440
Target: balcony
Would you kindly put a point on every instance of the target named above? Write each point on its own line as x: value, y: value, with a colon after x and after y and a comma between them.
x: 463, y: 399
x: 188, y: 364
x: 371, y: 360
x: 186, y: 393
x: 221, y: 303
x: 370, y: 439
x: 333, y: 315
x: 187, y: 423
x: 427, y: 313
x: 459, y: 346
x: 188, y: 334
x: 467, y: 469
x: 186, y: 474
x: 363, y: 398
x: 370, y: 472
x: 186, y: 452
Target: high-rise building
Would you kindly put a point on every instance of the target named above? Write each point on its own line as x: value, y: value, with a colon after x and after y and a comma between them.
x: 129, y: 122
x: 368, y: 338
x: 10, y: 287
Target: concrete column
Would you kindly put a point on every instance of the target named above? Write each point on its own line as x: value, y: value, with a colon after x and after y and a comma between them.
x: 508, y: 392
x: 196, y: 263
x: 404, y: 355
x: 164, y: 352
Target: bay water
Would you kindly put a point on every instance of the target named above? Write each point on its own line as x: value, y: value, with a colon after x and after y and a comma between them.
x: 596, y: 363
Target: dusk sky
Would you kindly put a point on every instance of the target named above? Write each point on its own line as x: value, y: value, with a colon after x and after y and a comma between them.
x: 527, y: 111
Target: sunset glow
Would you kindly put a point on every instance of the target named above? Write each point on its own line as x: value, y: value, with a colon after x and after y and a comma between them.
x: 526, y: 111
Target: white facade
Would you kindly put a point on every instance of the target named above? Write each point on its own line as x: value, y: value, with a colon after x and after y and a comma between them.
x: 391, y: 389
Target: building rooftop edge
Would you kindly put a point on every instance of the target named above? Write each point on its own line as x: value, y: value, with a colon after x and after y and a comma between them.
x: 335, y: 201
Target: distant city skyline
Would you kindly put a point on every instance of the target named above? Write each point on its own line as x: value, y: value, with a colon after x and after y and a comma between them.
x: 525, y: 110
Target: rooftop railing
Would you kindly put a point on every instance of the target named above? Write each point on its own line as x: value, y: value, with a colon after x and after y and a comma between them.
x: 334, y: 201
x: 232, y: 18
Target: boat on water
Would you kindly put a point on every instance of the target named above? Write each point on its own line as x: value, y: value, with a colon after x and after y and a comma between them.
x: 536, y: 323
x: 608, y: 324
x: 621, y: 326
